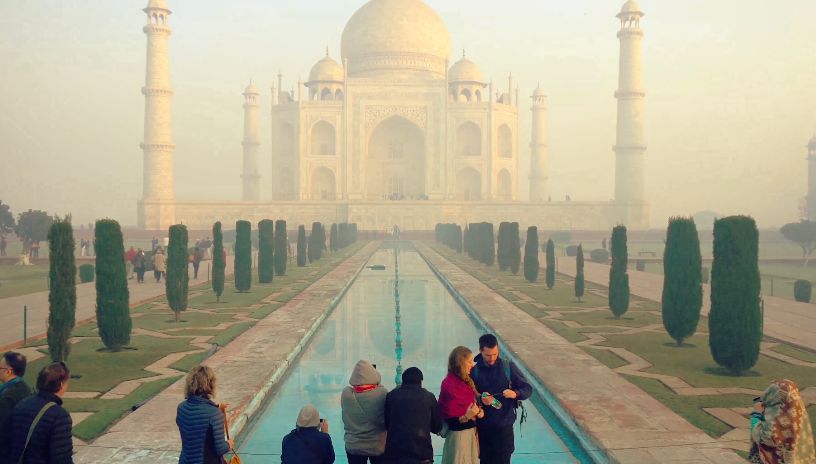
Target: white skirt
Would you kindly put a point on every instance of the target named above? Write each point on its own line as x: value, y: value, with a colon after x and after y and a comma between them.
x: 461, y: 447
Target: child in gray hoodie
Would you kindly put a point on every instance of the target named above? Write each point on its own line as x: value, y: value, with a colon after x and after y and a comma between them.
x: 363, y: 405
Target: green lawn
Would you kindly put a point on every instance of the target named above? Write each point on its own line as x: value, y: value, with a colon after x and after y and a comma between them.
x: 22, y: 280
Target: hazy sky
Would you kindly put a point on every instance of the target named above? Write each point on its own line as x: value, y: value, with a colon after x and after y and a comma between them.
x: 731, y: 95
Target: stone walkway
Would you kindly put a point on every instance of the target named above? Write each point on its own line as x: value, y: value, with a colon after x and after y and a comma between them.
x: 247, y: 369
x: 785, y: 320
x: 11, y: 309
x: 627, y: 423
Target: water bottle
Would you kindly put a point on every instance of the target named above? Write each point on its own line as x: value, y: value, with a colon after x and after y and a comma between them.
x: 496, y: 403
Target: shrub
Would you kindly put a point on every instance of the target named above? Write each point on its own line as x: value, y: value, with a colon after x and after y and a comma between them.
x: 802, y: 291
x: 735, y: 319
x: 266, y: 251
x: 112, y: 296
x: 619, y: 273
x: 315, y: 243
x: 579, y: 273
x: 514, y: 248
x: 301, y: 245
x: 243, y: 256
x: 503, y: 249
x: 61, y: 288
x: 178, y: 278
x: 550, y: 264
x: 219, y: 264
x: 682, y: 275
x: 599, y: 255
x: 333, y: 238
x: 531, y: 264
x: 572, y: 250
x: 87, y: 273
x: 281, y: 247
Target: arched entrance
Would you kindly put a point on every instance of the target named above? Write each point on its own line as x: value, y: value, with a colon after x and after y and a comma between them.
x: 323, y: 184
x: 468, y: 185
x: 395, y: 165
x: 504, y: 184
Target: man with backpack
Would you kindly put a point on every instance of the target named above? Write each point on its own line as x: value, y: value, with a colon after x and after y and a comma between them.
x: 502, y: 387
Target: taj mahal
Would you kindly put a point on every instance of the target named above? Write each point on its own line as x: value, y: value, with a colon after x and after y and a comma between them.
x: 397, y: 131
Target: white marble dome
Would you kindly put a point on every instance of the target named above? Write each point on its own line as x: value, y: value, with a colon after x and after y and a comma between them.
x: 465, y: 70
x: 393, y: 36
x: 631, y: 6
x: 326, y: 70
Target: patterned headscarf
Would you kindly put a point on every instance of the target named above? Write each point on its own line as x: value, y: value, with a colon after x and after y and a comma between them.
x: 785, y: 436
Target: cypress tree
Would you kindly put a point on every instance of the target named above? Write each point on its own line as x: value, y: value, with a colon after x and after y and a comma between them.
x: 618, y: 273
x: 735, y: 320
x: 219, y: 263
x: 112, y: 296
x: 243, y: 256
x: 266, y: 254
x: 317, y: 240
x: 178, y: 273
x: 459, y: 239
x: 531, y: 255
x: 514, y: 251
x: 579, y: 273
x: 550, y: 276
x: 281, y: 247
x: 682, y: 279
x: 503, y: 249
x: 301, y: 246
x: 466, y: 241
x: 61, y: 288
x: 333, y: 238
x: 490, y: 257
x: 322, y: 240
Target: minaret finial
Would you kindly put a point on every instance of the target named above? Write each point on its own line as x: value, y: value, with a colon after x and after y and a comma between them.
x: 327, y: 50
x: 464, y: 55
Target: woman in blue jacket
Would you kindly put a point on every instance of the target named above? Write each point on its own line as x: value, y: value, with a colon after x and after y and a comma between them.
x: 200, y: 420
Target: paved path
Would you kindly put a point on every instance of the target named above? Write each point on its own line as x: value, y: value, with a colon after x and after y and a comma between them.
x: 11, y: 309
x: 247, y: 369
x: 628, y: 424
x: 785, y: 320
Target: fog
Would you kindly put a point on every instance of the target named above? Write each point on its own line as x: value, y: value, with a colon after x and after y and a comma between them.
x: 730, y: 95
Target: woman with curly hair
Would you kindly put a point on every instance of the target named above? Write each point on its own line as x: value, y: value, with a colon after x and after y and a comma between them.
x: 459, y: 408
x: 780, y: 427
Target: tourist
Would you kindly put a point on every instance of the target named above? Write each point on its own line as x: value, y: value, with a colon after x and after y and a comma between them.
x: 780, y: 427
x: 12, y: 389
x: 459, y: 408
x: 3, y: 245
x: 309, y: 442
x: 502, y: 387
x: 50, y: 436
x: 363, y: 406
x: 140, y: 265
x: 200, y: 420
x: 411, y: 416
x: 159, y: 264
x: 196, y: 260
x: 129, y: 255
x: 154, y: 245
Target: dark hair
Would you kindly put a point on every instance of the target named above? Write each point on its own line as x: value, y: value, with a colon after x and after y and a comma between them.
x: 412, y: 376
x: 52, y: 376
x: 16, y: 361
x: 488, y: 341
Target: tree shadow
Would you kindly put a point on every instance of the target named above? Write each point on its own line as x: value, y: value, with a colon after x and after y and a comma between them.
x: 683, y: 345
x: 723, y: 372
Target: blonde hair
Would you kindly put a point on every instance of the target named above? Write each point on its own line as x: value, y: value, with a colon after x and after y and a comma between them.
x: 200, y: 381
x: 457, y: 365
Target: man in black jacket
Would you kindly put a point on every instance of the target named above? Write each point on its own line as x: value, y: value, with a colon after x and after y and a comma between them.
x: 500, y: 380
x: 51, y: 441
x: 12, y: 390
x: 411, y: 416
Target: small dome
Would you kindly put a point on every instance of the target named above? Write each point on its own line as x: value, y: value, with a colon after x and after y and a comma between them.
x: 251, y: 89
x: 158, y: 4
x: 326, y: 70
x: 465, y: 71
x: 631, y: 7
x: 539, y: 92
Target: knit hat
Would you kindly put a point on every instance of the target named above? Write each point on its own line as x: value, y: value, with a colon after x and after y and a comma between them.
x: 308, y: 417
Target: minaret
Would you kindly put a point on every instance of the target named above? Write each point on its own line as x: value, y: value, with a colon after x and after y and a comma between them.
x: 250, y: 177
x: 538, y: 147
x: 811, y: 195
x: 630, y: 147
x: 157, y: 206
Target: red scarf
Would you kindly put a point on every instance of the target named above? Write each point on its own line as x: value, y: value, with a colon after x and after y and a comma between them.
x: 363, y: 388
x: 455, y: 397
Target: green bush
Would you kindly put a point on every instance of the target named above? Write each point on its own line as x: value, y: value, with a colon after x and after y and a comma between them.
x: 579, y: 273
x: 514, y: 248
x: 281, y: 247
x: 178, y: 278
x: 503, y: 248
x: 682, y: 287
x: 316, y: 242
x: 61, y: 288
x: 301, y: 246
x: 599, y: 255
x: 802, y: 291
x: 550, y: 264
x: 266, y: 253
x: 531, y: 264
x: 219, y: 264
x: 334, y: 238
x: 619, y: 273
x: 87, y: 272
x: 243, y: 256
x: 735, y: 319
x: 112, y: 296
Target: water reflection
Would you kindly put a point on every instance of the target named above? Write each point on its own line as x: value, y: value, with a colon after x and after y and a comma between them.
x: 368, y: 324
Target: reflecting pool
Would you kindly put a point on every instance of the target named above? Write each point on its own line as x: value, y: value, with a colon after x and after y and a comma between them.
x: 420, y: 331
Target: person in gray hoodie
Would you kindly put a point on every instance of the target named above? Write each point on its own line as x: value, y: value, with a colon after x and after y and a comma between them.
x: 363, y: 405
